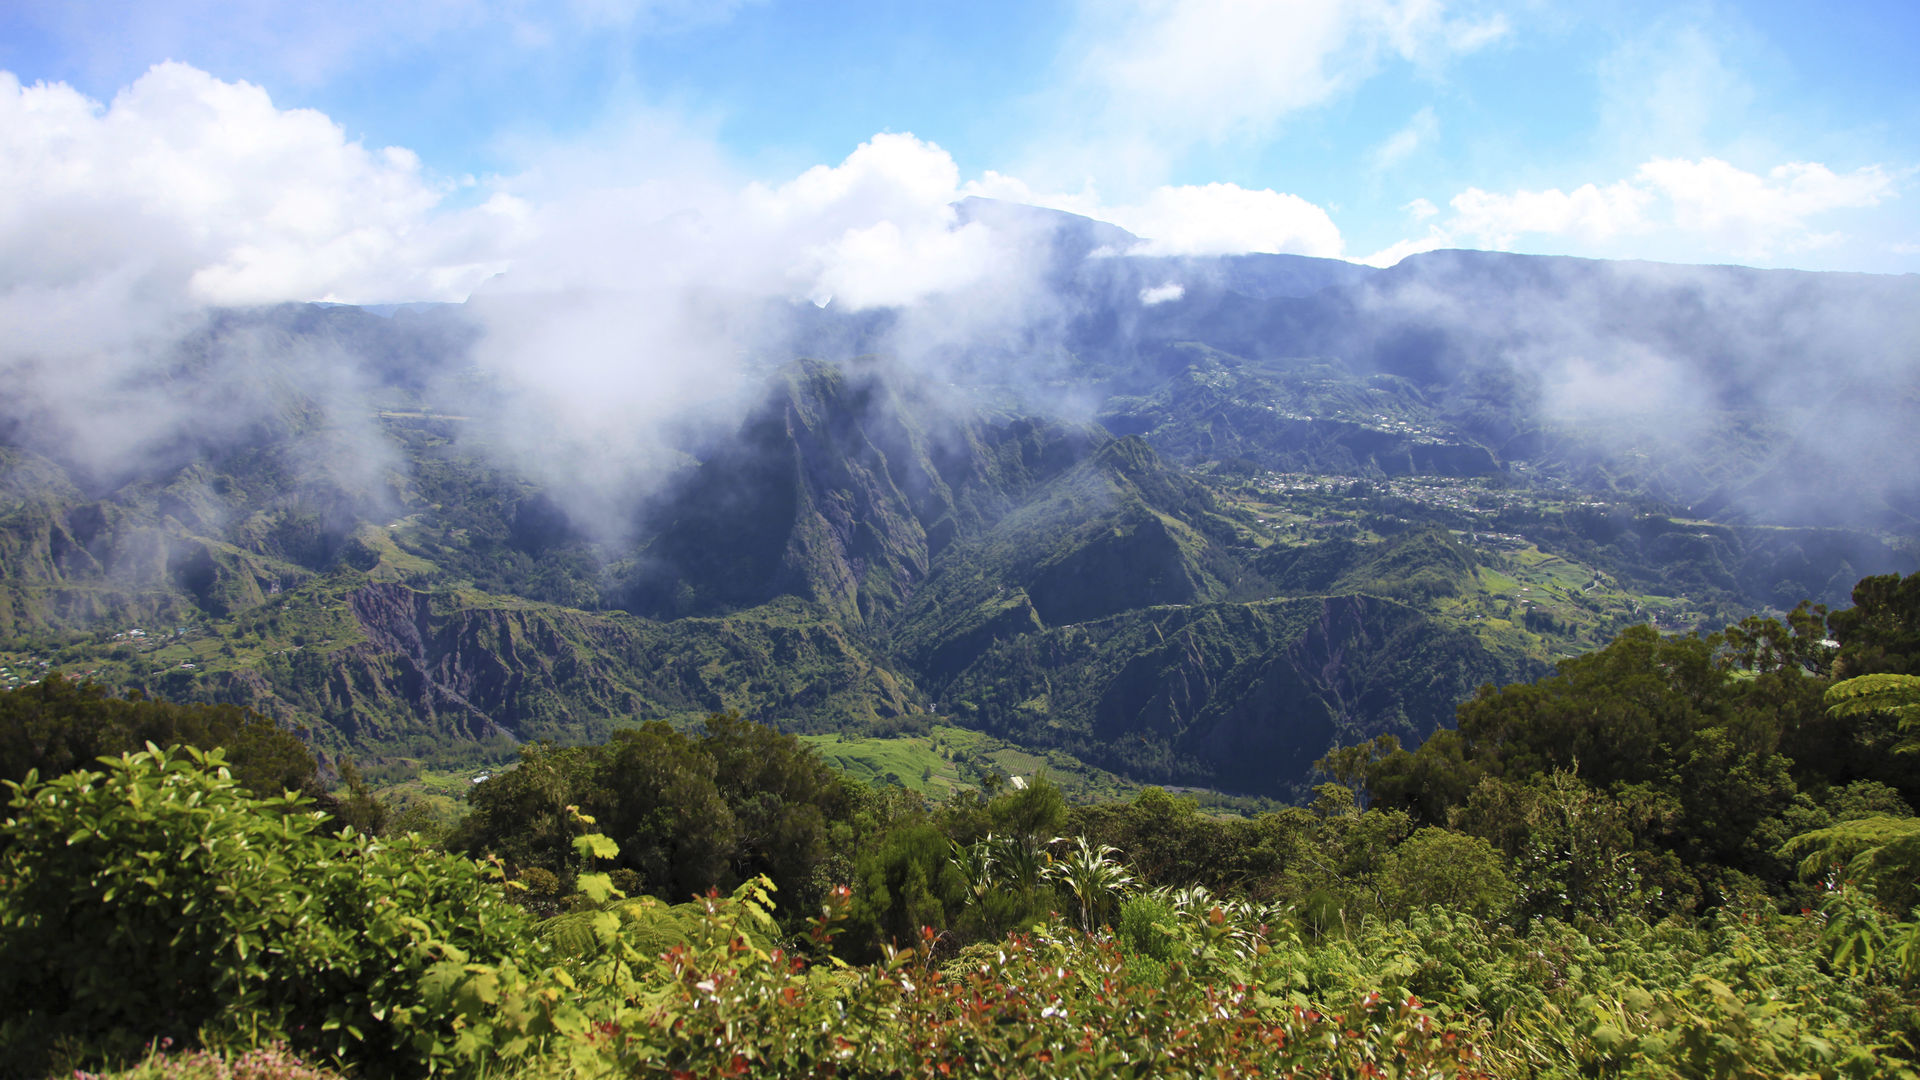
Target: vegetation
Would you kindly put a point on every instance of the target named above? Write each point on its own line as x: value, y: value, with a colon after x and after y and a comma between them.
x: 59, y: 725
x: 1678, y: 856
x: 159, y: 896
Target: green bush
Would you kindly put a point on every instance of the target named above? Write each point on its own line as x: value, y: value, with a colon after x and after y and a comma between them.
x: 1057, y: 1003
x: 159, y: 898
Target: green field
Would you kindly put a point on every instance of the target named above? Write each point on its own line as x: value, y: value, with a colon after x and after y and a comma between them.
x: 949, y: 759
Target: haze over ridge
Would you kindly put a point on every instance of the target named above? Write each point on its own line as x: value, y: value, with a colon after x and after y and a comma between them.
x: 641, y: 166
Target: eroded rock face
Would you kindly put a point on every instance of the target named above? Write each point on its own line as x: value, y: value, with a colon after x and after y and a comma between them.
x: 452, y: 672
x: 1243, y: 696
x: 433, y: 668
x: 836, y: 492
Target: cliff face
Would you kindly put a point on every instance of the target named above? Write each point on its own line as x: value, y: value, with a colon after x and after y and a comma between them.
x: 1363, y: 666
x: 77, y: 563
x: 1244, y: 696
x: 454, y: 669
x: 840, y: 492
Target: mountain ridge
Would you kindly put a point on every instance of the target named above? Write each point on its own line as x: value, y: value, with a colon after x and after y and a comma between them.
x: 1285, y: 505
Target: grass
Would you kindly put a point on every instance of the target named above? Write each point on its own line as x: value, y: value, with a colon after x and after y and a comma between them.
x: 912, y: 761
x: 396, y: 563
x: 949, y: 759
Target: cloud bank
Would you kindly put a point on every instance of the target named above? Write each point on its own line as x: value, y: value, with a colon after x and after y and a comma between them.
x: 188, y: 188
x: 1695, y: 206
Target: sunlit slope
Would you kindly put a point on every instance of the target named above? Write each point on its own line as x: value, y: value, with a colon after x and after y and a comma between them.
x: 385, y: 670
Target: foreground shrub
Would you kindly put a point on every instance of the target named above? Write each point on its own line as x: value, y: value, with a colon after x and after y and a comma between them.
x: 1058, y: 1002
x: 158, y: 898
x: 1742, y: 994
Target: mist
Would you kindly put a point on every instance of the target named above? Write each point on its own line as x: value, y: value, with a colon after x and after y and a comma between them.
x: 615, y: 306
x: 1640, y: 360
x: 623, y: 291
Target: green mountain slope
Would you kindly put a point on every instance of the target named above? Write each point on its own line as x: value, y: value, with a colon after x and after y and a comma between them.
x: 1117, y: 531
x: 837, y: 490
x: 1238, y: 696
x: 1284, y: 531
x: 386, y: 670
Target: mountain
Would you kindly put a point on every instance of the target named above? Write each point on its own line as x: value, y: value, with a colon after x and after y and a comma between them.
x: 1197, y: 522
x: 1766, y: 394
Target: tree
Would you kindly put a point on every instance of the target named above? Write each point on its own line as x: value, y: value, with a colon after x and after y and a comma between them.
x: 1350, y: 765
x: 62, y: 724
x: 1619, y: 714
x: 1895, y: 695
x: 1030, y: 815
x: 689, y: 812
x: 658, y: 796
x: 1881, y: 632
x: 908, y: 882
x: 784, y: 800
x: 1453, y: 870
x: 1577, y: 850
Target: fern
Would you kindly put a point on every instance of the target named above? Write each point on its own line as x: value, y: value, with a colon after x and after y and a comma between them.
x: 1882, y: 848
x: 650, y: 927
x: 645, y: 923
x: 1895, y: 694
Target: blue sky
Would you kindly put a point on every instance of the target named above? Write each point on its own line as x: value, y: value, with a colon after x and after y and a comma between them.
x: 1771, y: 134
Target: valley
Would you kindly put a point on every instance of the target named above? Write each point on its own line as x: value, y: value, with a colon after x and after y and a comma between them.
x: 1284, y: 516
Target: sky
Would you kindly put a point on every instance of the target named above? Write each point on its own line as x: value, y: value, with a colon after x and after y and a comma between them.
x: 241, y: 151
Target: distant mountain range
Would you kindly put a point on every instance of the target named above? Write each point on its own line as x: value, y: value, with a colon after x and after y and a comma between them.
x: 1191, y: 519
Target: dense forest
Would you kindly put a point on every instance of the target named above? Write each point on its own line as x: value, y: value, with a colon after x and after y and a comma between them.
x: 1677, y: 855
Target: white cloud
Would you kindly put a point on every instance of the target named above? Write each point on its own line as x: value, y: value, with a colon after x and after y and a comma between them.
x: 994, y: 185
x: 1224, y: 219
x: 1588, y: 212
x: 876, y: 229
x: 879, y: 228
x: 121, y: 223
x: 1160, y: 294
x: 1419, y: 131
x: 186, y: 190
x: 188, y: 186
x: 1754, y: 215
x: 1156, y: 76
x: 1200, y: 219
x: 1393, y: 253
x: 1697, y: 210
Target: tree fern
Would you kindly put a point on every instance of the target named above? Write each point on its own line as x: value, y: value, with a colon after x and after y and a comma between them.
x: 1896, y: 694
